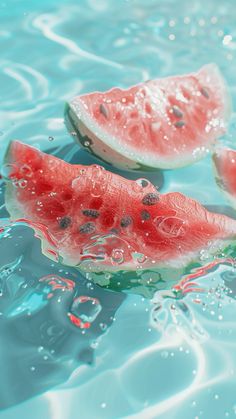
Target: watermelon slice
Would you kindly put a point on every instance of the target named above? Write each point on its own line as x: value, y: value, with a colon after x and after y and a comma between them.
x: 100, y: 221
x: 163, y: 123
x: 224, y: 160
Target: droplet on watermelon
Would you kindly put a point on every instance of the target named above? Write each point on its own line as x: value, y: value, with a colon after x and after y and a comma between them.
x: 224, y: 160
x: 99, y: 221
x: 163, y: 123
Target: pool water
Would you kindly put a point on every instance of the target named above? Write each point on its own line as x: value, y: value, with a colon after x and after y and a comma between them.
x: 143, y: 353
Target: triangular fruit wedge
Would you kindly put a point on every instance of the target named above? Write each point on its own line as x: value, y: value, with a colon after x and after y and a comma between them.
x: 100, y: 221
x: 224, y: 160
x: 163, y: 123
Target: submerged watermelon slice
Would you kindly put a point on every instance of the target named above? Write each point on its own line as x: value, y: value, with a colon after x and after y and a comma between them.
x: 224, y: 160
x: 100, y: 221
x: 164, y: 123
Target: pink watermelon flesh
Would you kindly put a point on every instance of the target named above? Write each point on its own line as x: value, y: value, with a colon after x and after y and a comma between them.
x: 102, y: 222
x: 224, y: 160
x: 163, y: 123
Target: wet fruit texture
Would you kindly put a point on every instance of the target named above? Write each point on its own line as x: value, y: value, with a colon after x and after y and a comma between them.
x: 101, y: 221
x: 163, y: 123
x: 224, y: 160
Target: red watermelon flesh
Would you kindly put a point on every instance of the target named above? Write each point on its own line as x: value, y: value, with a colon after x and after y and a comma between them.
x: 163, y: 123
x: 100, y: 221
x: 225, y: 165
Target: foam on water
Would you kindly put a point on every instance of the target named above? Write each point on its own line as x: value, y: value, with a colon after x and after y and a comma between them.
x: 70, y: 348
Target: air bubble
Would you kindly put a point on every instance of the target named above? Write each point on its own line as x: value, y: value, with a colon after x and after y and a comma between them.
x: 22, y: 183
x: 117, y: 256
x: 85, y: 309
x: 26, y: 170
x: 51, y: 138
x: 143, y: 182
x: 103, y: 327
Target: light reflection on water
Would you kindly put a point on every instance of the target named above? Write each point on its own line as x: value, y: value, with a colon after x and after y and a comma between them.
x: 139, y: 357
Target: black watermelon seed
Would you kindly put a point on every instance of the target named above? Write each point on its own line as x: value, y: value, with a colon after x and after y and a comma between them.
x: 150, y: 199
x: 177, y: 112
x: 65, y: 222
x: 114, y: 231
x: 87, y: 228
x: 91, y: 213
x: 103, y: 110
x: 126, y: 221
x: 179, y: 124
x: 145, y: 215
x: 204, y: 92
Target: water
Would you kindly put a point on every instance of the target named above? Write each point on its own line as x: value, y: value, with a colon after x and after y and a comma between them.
x: 70, y: 348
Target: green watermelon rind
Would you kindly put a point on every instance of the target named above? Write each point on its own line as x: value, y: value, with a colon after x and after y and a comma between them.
x: 83, y: 135
x: 16, y: 211
x: 108, y: 150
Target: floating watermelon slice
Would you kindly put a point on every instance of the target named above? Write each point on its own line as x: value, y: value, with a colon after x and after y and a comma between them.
x: 225, y: 165
x: 164, y: 123
x: 100, y: 221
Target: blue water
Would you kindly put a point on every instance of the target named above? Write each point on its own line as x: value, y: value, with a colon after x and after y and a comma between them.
x: 143, y: 358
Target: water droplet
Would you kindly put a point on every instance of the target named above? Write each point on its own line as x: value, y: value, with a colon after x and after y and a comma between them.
x: 51, y: 138
x: 170, y: 226
x: 117, y: 256
x: 141, y: 258
x: 22, y: 183
x: 143, y: 182
x: 99, y: 180
x: 103, y: 326
x: 26, y: 170
x: 85, y: 309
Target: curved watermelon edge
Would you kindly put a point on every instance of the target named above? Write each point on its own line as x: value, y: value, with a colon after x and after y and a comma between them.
x: 224, y: 86
x: 111, y: 155
x: 106, y: 149
x: 73, y: 126
x: 219, y: 181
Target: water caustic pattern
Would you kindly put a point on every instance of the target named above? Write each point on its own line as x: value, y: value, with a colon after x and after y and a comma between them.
x: 69, y: 347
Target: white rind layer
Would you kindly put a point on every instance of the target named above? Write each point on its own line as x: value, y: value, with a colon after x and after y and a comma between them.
x: 110, y: 149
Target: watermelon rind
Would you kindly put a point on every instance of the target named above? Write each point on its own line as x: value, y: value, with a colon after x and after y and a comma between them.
x: 96, y: 140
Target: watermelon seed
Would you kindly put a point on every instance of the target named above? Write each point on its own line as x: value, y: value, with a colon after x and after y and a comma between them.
x: 145, y: 215
x: 87, y: 228
x: 91, y: 213
x: 126, y: 221
x: 114, y: 231
x: 103, y: 111
x: 204, y: 92
x: 177, y: 112
x: 150, y: 199
x: 64, y: 222
x: 179, y: 124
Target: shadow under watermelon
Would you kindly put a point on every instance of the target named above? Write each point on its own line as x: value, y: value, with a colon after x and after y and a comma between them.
x: 51, y: 317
